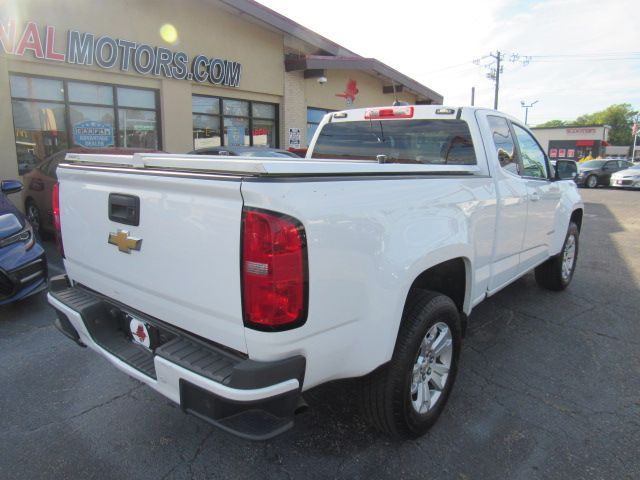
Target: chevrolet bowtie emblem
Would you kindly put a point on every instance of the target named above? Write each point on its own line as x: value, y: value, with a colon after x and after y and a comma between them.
x: 124, y: 242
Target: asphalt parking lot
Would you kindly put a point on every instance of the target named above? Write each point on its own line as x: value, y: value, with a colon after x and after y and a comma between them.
x: 549, y: 387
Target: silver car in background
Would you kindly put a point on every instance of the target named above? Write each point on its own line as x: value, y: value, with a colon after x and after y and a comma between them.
x: 627, y: 178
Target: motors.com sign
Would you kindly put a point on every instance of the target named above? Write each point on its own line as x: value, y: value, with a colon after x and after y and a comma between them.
x: 106, y: 52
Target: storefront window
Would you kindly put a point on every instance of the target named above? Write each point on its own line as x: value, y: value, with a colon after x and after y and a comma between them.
x: 206, y: 105
x: 236, y: 132
x: 264, y: 110
x: 137, y: 129
x: 243, y: 123
x: 36, y: 88
x: 92, y: 115
x: 206, y: 131
x: 92, y: 127
x: 263, y: 132
x: 90, y: 93
x: 40, y: 131
x: 136, y: 98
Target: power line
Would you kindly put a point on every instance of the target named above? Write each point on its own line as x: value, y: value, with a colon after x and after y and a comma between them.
x: 602, y: 54
x: 450, y: 67
x: 590, y: 59
x: 525, y: 59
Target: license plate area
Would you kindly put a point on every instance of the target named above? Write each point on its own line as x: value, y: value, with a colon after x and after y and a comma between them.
x: 142, y: 333
x: 110, y: 327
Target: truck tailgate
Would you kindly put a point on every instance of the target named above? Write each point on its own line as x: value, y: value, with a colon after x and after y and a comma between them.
x: 187, y: 270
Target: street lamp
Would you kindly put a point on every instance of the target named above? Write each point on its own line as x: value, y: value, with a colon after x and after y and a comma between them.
x: 526, y: 109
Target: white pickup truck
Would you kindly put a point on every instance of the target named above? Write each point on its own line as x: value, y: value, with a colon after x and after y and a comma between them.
x: 231, y: 286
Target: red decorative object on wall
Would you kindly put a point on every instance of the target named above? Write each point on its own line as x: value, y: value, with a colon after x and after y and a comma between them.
x: 350, y: 92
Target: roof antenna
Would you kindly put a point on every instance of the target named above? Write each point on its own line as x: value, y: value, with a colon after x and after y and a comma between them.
x: 396, y: 102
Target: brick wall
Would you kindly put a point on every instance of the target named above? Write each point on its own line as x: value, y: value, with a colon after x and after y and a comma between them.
x: 294, y: 108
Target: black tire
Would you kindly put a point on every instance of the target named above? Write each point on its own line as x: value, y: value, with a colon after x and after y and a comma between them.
x: 591, y: 181
x: 33, y: 214
x: 386, y: 396
x: 550, y: 275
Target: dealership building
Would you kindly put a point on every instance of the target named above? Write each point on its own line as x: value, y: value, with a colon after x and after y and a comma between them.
x: 173, y: 76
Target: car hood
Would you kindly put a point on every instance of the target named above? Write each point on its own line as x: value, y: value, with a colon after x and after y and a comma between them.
x: 11, y: 220
x: 9, y: 225
x: 627, y: 173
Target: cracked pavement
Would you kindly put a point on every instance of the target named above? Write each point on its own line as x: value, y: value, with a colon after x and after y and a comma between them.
x: 548, y: 387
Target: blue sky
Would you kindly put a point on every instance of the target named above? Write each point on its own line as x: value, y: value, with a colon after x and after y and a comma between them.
x: 585, y: 53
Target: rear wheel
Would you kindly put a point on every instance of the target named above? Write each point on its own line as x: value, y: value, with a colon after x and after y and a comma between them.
x: 557, y: 272
x: 32, y: 212
x: 405, y: 397
x: 591, y: 181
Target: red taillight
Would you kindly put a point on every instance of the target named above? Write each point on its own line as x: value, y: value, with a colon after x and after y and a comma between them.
x: 55, y: 207
x: 389, y: 112
x: 274, y: 271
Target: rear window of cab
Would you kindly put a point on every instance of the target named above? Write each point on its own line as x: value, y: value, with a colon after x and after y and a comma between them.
x: 439, y: 142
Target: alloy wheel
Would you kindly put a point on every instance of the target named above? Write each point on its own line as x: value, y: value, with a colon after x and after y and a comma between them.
x: 568, y: 258
x: 431, y: 368
x: 33, y: 215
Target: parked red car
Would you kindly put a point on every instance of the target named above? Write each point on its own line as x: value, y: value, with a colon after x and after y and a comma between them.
x: 39, y: 184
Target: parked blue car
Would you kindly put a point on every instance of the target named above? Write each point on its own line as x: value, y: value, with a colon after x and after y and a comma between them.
x: 23, y: 265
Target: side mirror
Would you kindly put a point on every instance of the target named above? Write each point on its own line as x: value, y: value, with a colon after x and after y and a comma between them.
x: 10, y: 186
x: 566, y: 170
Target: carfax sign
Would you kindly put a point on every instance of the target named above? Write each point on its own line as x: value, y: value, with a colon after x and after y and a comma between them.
x: 93, y: 134
x: 107, y: 52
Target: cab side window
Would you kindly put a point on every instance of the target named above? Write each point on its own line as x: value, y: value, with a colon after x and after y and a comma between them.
x: 622, y: 164
x: 533, y: 160
x: 504, y: 144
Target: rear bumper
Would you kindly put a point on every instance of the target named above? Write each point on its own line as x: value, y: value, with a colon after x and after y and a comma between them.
x: 254, y: 400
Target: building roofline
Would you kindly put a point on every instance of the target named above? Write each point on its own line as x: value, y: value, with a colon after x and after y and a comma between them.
x: 286, y: 25
x: 342, y: 58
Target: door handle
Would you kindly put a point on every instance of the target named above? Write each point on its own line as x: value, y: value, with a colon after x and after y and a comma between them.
x: 534, y: 197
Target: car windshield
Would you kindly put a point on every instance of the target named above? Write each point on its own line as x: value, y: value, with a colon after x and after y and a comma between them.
x: 592, y: 164
x: 405, y: 141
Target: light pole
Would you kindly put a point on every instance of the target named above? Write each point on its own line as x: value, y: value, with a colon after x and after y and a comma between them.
x: 634, y: 136
x: 526, y: 109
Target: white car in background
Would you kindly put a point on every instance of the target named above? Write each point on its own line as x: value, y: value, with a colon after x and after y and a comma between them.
x: 627, y: 178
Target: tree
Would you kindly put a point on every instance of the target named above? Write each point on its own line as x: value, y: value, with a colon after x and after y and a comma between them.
x: 553, y: 123
x: 619, y: 117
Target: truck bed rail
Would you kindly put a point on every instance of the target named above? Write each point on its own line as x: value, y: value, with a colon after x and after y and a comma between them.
x: 256, y: 166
